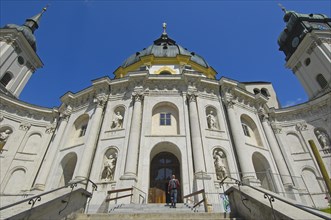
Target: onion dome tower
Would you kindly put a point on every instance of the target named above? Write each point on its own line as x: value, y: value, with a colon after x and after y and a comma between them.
x: 168, y: 55
x: 18, y: 55
x: 306, y: 43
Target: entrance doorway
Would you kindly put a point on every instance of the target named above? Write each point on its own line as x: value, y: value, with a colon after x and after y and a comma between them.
x: 163, y: 166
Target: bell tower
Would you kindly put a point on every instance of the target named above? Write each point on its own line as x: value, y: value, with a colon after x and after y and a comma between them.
x: 306, y: 43
x: 18, y: 57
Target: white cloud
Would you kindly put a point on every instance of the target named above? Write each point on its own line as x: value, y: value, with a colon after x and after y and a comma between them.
x: 291, y: 102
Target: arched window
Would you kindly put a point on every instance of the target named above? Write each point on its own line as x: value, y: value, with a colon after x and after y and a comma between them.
x: 165, y: 73
x: 265, y: 92
x: 6, y: 79
x: 250, y: 131
x: 78, y: 131
x: 321, y: 81
x: 256, y: 91
x: 81, y: 125
x: 165, y: 119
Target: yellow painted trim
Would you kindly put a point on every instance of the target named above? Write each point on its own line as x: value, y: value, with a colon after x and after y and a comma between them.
x: 152, y: 60
x: 165, y: 68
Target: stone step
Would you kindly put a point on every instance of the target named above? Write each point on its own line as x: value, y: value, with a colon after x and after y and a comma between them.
x: 152, y: 208
x: 154, y: 216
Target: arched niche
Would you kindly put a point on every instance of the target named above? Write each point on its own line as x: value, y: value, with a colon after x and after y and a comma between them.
x: 5, y: 134
x: 263, y: 171
x: 67, y: 166
x: 118, y: 117
x: 33, y: 143
x: 294, y: 143
x: 323, y: 138
x: 109, y: 164
x: 212, y: 118
x: 16, y: 181
x: 220, y: 163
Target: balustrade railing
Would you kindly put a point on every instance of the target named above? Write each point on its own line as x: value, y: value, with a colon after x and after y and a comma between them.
x: 271, y: 199
x: 37, y: 198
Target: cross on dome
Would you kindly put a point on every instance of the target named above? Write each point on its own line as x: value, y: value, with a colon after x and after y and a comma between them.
x: 164, y: 25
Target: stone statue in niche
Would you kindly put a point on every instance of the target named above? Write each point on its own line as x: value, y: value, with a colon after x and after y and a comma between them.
x: 117, y: 121
x: 4, y: 135
x: 211, y: 120
x: 220, y: 164
x: 109, y: 167
x: 323, y: 139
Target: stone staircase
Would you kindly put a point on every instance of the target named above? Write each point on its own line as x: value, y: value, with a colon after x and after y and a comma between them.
x: 153, y: 212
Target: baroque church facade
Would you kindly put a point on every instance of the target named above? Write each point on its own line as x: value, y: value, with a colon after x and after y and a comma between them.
x: 165, y: 113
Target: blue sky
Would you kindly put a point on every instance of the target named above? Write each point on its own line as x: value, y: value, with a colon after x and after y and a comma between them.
x: 79, y: 41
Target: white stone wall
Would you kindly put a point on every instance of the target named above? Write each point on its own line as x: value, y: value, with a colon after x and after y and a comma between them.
x: 31, y: 129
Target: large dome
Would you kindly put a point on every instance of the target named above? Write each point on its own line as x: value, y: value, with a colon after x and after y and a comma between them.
x: 164, y: 51
x: 164, y: 47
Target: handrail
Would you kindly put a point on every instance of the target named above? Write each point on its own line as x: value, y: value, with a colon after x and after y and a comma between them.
x: 35, y: 198
x: 194, y: 193
x: 144, y: 197
x: 124, y: 190
x: 272, y: 197
x: 118, y: 190
x: 109, y: 192
x: 204, y: 200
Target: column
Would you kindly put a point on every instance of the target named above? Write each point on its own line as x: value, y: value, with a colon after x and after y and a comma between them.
x: 196, y: 136
x: 50, y: 155
x: 292, y: 191
x: 277, y: 154
x: 91, y: 142
x: 130, y: 172
x: 245, y: 160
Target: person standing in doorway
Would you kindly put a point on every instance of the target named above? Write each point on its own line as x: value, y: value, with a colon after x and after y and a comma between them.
x: 173, y: 186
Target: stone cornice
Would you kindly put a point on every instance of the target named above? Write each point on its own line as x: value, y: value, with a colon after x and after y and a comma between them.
x: 19, y: 110
x: 233, y: 94
x: 309, y: 110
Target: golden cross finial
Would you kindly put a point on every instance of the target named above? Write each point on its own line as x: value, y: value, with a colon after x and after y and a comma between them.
x: 282, y: 7
x: 164, y: 27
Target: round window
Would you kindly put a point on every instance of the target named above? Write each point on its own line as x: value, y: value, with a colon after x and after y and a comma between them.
x: 307, y: 61
x: 20, y: 60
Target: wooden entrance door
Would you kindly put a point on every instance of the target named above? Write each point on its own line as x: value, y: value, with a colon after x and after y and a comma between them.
x: 163, y: 166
